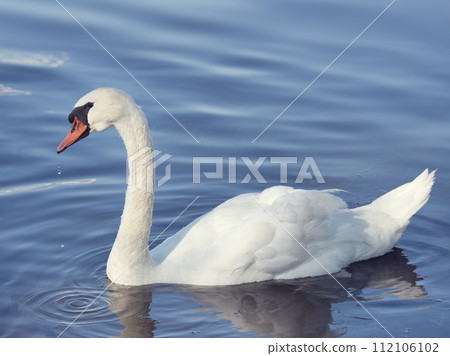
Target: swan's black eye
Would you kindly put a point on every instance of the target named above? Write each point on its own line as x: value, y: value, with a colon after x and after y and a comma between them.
x: 81, y: 112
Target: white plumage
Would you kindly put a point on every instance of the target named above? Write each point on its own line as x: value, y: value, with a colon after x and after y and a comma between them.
x: 280, y: 233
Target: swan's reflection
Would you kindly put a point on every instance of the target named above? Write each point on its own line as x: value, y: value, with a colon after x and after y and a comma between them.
x: 132, y: 306
x: 294, y: 308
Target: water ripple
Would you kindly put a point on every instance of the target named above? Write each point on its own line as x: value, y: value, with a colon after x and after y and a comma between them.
x: 64, y: 305
x: 93, y: 260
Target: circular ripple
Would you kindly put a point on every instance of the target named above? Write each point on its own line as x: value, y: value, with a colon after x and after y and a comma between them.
x: 80, y: 306
x: 87, y: 265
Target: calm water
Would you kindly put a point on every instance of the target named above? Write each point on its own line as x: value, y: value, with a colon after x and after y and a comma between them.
x: 374, y: 120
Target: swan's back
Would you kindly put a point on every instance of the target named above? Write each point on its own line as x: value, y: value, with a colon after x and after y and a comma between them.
x: 283, y: 233
x: 252, y: 237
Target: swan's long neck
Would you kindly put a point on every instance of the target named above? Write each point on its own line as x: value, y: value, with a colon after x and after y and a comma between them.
x: 129, y: 261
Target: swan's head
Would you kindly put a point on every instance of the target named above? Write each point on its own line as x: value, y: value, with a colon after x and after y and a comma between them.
x: 96, y: 111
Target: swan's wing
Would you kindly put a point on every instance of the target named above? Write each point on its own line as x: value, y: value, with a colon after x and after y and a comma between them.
x: 224, y: 217
x: 252, y: 237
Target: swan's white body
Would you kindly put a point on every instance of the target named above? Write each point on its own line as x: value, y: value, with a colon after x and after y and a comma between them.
x: 280, y: 233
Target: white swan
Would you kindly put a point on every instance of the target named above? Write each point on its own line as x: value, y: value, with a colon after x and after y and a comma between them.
x: 280, y: 233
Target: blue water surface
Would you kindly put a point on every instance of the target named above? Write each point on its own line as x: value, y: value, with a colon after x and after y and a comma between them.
x: 376, y: 118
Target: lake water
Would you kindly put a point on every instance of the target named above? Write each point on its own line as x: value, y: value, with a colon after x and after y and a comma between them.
x: 376, y: 119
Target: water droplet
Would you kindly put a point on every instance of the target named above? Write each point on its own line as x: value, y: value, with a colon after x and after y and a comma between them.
x: 59, y: 170
x: 62, y: 245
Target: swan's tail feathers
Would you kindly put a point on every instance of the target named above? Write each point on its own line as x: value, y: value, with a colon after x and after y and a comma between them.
x: 403, y: 202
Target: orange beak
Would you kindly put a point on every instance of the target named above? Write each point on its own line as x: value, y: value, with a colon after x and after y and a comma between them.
x: 76, y: 133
